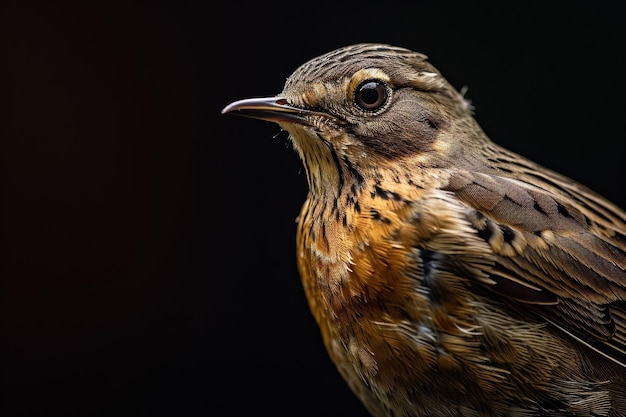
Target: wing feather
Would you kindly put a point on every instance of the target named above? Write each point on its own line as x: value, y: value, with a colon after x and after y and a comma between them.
x: 552, y: 239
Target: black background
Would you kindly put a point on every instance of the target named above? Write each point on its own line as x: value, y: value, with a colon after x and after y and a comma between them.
x: 148, y: 261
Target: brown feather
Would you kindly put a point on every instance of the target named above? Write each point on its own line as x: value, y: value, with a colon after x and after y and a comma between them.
x: 448, y: 276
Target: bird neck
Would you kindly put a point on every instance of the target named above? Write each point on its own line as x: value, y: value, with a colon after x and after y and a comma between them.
x: 324, y: 171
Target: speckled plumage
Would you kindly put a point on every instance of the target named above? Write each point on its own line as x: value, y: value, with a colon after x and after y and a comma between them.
x: 449, y: 276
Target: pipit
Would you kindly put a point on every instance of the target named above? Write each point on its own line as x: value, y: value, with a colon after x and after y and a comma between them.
x: 448, y: 275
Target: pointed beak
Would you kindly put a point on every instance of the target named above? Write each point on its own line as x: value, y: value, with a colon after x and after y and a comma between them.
x: 273, y: 109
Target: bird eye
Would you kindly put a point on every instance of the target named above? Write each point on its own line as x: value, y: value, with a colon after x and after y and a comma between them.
x: 371, y: 95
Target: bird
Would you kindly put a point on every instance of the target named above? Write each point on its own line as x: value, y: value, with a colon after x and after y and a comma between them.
x: 448, y: 275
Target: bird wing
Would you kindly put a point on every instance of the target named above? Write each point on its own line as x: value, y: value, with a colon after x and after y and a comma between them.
x: 559, y: 249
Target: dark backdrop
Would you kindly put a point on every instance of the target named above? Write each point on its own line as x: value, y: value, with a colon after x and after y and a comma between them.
x: 148, y: 261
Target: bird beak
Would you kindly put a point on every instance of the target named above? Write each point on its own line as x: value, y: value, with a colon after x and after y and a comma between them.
x: 273, y: 109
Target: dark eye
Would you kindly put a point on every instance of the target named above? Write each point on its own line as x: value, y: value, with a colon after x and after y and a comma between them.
x: 371, y: 95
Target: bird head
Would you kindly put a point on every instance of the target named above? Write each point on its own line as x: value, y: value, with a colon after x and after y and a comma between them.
x: 356, y: 108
